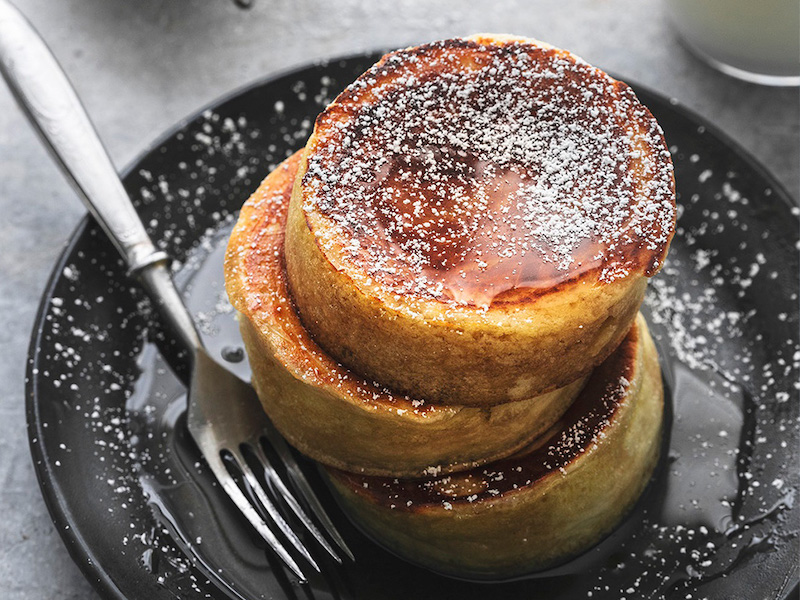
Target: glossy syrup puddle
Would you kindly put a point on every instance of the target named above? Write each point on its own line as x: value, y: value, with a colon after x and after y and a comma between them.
x: 179, y: 487
x: 695, y: 524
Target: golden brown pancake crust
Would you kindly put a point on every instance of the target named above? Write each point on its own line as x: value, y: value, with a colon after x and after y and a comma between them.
x: 331, y: 414
x: 486, y: 207
x: 541, y: 506
x: 481, y: 174
x: 579, y: 428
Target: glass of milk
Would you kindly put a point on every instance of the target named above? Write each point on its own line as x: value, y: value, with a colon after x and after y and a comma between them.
x: 754, y: 40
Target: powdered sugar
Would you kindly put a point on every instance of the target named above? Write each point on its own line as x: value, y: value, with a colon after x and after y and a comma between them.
x: 524, y: 168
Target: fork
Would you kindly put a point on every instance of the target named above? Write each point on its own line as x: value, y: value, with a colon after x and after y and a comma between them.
x: 224, y: 415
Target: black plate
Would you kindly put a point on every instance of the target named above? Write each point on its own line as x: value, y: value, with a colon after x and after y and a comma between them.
x: 121, y: 479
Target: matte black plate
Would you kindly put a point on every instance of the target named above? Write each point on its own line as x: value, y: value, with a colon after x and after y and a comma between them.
x: 127, y: 489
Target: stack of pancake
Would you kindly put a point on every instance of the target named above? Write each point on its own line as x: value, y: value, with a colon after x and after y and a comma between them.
x: 439, y: 300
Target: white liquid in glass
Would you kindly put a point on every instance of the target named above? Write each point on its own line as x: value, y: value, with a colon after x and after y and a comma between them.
x: 756, y: 40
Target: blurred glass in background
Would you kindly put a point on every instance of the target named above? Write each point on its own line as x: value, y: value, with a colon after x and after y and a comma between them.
x: 754, y: 40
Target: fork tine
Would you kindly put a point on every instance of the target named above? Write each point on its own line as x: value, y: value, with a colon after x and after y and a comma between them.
x: 287, y: 495
x: 298, y: 477
x: 247, y: 509
x: 270, y: 507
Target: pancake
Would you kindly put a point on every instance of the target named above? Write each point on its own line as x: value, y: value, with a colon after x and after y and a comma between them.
x: 327, y: 412
x: 488, y: 207
x: 541, y: 506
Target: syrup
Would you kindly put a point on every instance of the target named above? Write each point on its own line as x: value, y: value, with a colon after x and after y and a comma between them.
x: 477, y: 260
x: 462, y: 173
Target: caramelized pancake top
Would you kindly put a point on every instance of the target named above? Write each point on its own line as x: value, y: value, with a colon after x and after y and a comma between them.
x: 480, y: 173
x: 255, y: 270
x: 581, y: 427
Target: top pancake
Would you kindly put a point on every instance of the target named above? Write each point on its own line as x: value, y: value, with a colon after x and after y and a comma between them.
x: 483, y: 173
x: 474, y: 220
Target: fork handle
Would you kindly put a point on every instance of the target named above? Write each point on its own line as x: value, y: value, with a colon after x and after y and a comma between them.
x: 48, y: 100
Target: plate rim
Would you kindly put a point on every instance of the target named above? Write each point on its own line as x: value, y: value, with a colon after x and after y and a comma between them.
x: 78, y: 548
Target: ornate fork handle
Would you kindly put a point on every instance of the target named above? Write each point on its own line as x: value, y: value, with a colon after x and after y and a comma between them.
x: 53, y: 108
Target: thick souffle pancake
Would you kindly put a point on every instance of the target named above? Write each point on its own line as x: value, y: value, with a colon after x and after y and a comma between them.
x: 541, y: 506
x: 474, y: 220
x: 329, y: 413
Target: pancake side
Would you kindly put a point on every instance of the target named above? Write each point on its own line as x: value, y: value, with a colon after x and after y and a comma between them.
x: 329, y: 413
x: 543, y: 505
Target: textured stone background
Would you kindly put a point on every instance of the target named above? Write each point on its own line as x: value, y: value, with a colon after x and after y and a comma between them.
x: 141, y: 66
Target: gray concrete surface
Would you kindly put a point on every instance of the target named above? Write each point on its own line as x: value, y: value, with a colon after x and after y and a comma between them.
x: 141, y: 66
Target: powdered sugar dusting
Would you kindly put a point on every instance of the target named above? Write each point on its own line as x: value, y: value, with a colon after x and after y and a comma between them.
x: 749, y: 475
x: 459, y: 171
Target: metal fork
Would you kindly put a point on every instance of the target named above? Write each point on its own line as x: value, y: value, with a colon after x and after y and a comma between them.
x: 224, y: 413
